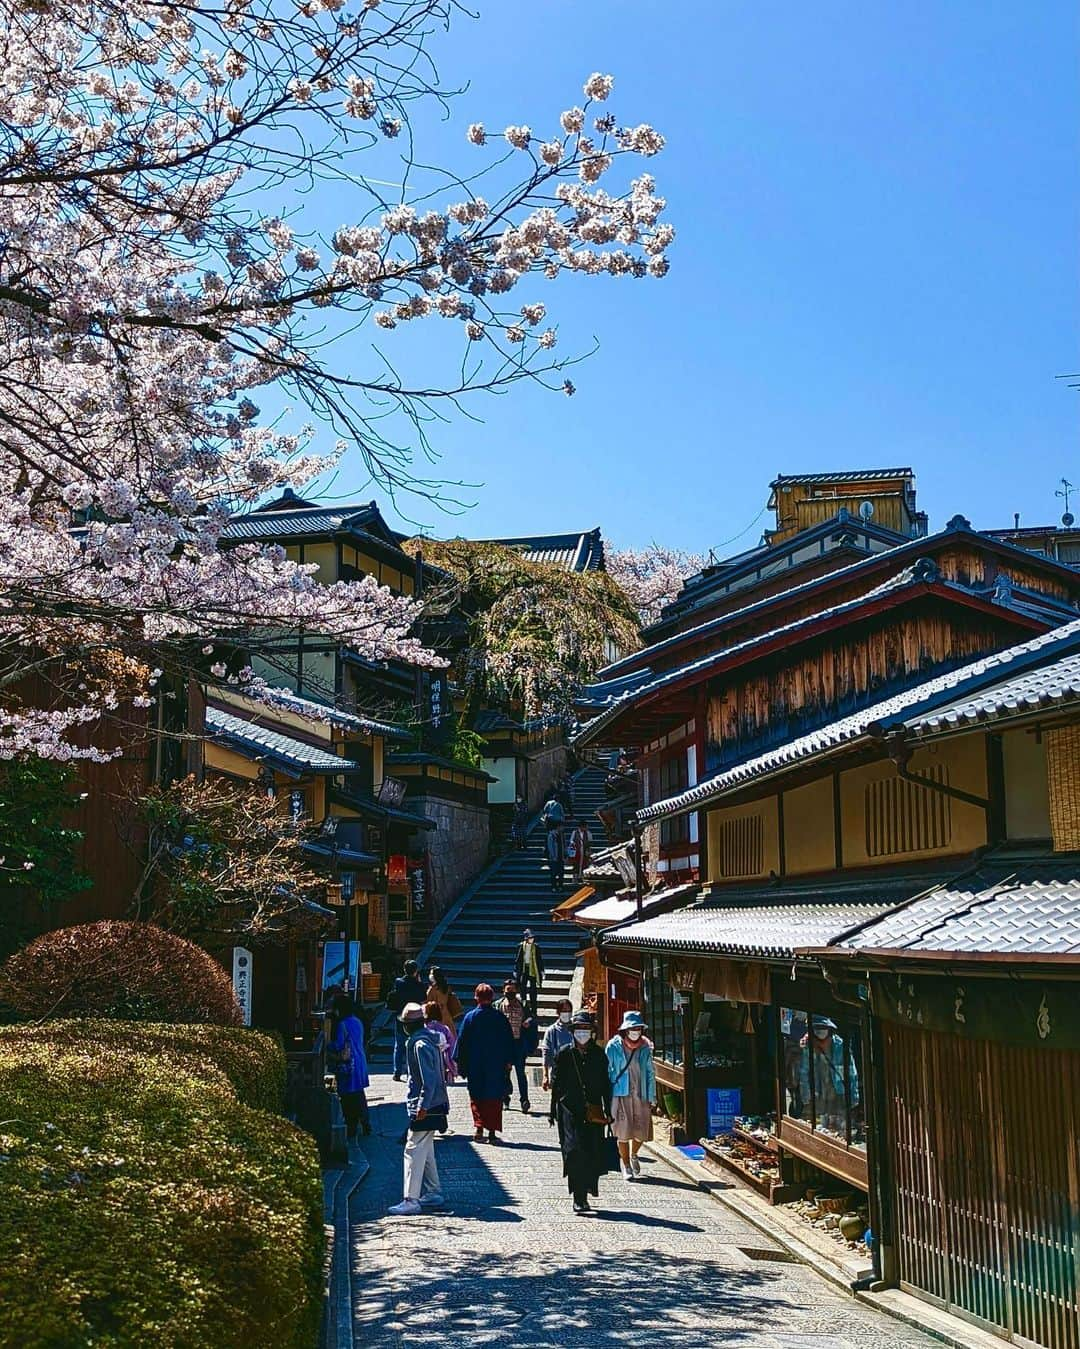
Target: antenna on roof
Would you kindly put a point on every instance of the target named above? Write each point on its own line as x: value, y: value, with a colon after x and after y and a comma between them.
x: 1064, y: 491
x: 866, y: 511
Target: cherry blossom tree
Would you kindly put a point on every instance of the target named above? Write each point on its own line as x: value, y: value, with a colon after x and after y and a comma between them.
x: 155, y: 273
x: 652, y: 577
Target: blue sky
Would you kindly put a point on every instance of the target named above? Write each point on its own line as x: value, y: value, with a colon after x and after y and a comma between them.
x: 877, y: 208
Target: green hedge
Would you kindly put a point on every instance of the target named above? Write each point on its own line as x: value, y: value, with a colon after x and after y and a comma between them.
x: 142, y: 1201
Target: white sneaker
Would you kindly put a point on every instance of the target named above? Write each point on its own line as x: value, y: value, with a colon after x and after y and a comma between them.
x: 627, y: 1172
x: 408, y: 1208
x: 433, y: 1200
x: 636, y: 1165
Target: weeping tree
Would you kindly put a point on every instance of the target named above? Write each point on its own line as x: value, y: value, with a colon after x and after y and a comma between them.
x: 536, y: 632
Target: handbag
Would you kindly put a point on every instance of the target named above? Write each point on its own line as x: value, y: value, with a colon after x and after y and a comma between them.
x: 594, y: 1114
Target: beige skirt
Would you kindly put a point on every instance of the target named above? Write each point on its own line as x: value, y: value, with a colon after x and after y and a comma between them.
x: 631, y: 1119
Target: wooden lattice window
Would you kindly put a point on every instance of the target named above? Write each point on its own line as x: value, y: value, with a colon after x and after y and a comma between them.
x: 742, y: 846
x: 902, y: 817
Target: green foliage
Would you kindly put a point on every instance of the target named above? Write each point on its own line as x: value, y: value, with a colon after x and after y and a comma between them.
x: 536, y: 631
x: 124, y: 971
x: 36, y: 796
x: 142, y: 1202
x: 465, y: 747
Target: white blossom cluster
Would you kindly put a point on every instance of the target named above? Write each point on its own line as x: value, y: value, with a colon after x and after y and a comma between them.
x: 142, y: 304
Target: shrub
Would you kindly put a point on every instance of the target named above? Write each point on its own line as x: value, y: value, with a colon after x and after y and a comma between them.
x: 252, y: 1061
x: 130, y: 971
x: 141, y: 1202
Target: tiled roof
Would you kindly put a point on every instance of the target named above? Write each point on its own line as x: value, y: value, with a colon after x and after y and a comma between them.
x: 769, y: 922
x: 611, y: 698
x: 843, y: 476
x: 1028, y: 907
x: 276, y: 749
x: 699, y: 589
x: 336, y: 716
x: 491, y: 719
x: 301, y: 522
x: 891, y: 712
x: 422, y: 757
x: 580, y: 551
x: 842, y: 531
x: 1043, y: 690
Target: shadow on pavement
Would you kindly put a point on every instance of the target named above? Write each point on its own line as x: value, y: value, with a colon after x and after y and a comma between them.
x: 570, y: 1300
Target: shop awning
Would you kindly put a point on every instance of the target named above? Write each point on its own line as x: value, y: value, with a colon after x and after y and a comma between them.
x: 622, y: 907
x: 566, y: 909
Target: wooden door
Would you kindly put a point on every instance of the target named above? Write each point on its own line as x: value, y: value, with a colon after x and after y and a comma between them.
x: 987, y: 1203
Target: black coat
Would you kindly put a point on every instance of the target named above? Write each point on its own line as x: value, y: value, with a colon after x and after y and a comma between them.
x: 579, y: 1079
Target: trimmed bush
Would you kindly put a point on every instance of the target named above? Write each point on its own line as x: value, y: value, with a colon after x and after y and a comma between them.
x: 127, y: 971
x: 141, y: 1202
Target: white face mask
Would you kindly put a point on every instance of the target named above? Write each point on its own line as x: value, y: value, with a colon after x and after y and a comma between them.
x: 633, y: 1034
x: 564, y: 1017
x: 822, y: 1032
x: 583, y: 1036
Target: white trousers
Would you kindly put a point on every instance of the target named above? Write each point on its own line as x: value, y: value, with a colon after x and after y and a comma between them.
x: 421, y: 1173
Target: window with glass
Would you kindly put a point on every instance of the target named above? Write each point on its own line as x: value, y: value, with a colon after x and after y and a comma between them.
x: 823, y: 1073
x: 662, y: 1013
x: 674, y: 778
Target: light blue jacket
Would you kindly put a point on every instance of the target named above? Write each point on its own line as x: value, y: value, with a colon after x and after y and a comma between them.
x: 620, y: 1073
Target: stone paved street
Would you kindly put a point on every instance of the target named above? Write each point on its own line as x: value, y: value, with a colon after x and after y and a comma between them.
x: 509, y: 1264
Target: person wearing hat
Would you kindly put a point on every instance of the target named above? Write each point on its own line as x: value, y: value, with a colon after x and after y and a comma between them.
x: 633, y: 1090
x: 581, y: 1105
x: 427, y: 1103
x: 823, y: 1070
x: 529, y: 969
x: 485, y: 1054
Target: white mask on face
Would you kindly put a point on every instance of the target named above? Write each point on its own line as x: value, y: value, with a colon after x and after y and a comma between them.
x: 564, y: 1017
x: 822, y: 1032
x: 633, y: 1034
x: 583, y: 1036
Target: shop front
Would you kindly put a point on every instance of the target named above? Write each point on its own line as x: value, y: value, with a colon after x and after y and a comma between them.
x: 757, y: 1056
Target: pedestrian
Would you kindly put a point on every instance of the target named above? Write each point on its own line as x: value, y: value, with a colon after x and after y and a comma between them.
x: 350, y: 1066
x: 633, y: 1090
x: 446, y: 1034
x: 557, y: 1036
x: 520, y: 823
x: 523, y: 1029
x: 581, y: 1105
x: 823, y: 1055
x: 407, y: 988
x: 554, y: 813
x: 439, y: 991
x: 553, y: 848
x: 564, y: 793
x: 427, y: 1103
x: 529, y: 969
x: 577, y: 848
x: 485, y: 1053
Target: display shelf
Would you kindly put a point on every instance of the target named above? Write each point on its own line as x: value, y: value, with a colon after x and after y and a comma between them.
x: 770, y: 1187
x: 766, y: 1145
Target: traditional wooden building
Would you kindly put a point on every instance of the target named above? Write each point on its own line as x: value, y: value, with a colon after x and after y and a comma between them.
x: 889, y: 1009
x: 328, y: 768
x: 783, y: 661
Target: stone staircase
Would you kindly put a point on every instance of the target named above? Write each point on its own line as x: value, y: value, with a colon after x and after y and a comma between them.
x: 481, y: 941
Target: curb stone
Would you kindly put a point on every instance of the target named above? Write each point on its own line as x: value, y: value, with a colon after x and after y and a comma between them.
x: 900, y: 1306
x: 336, y: 1331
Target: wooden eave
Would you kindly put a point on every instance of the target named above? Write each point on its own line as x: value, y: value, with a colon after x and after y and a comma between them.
x: 654, y: 713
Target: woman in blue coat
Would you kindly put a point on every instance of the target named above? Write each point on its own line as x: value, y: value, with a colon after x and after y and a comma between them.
x: 351, y: 1068
x: 485, y: 1051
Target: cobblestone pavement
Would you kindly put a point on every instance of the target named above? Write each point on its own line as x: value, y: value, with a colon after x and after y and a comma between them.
x: 508, y: 1263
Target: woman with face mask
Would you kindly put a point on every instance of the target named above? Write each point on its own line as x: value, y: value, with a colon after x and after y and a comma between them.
x: 557, y: 1036
x: 633, y: 1090
x: 581, y: 1104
